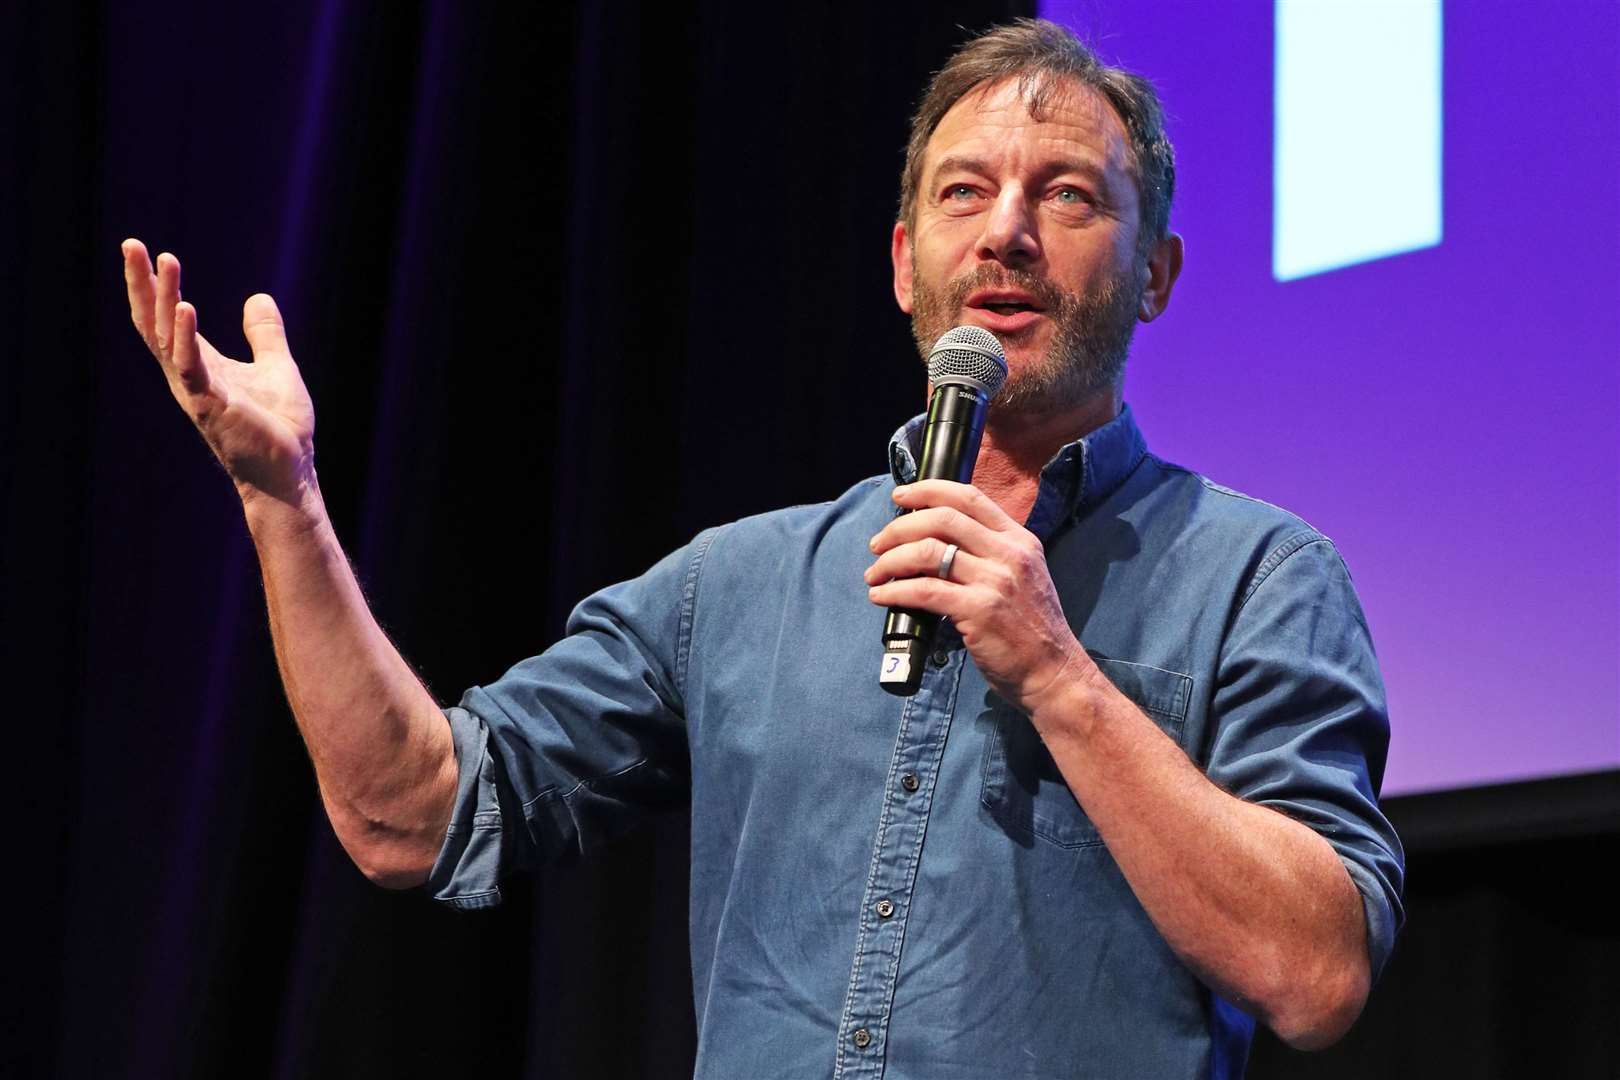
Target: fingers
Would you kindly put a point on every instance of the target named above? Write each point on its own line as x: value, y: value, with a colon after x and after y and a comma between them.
x: 965, y: 498
x: 263, y: 328
x: 186, y: 351
x: 142, y: 287
x: 921, y: 594
x: 168, y: 326
x: 994, y: 553
x: 922, y: 558
x: 943, y: 522
x: 167, y: 295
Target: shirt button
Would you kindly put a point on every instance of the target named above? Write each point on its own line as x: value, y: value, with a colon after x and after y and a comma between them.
x: 941, y: 657
x: 885, y: 908
x: 862, y: 1038
x: 909, y: 781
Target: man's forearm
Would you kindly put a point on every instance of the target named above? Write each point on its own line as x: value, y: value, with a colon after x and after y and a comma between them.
x: 1257, y: 904
x: 382, y: 751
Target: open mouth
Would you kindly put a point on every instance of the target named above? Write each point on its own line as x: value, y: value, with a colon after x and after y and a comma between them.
x: 1008, y: 307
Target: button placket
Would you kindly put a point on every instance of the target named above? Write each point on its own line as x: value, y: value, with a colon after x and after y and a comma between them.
x: 897, y: 848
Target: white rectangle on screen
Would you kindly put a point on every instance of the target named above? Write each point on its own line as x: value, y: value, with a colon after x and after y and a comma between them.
x: 1356, y: 152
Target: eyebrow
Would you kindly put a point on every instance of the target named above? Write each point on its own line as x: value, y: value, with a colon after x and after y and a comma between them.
x: 1080, y: 166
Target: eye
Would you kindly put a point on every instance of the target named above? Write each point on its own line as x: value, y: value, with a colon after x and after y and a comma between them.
x: 959, y: 192
x: 1069, y: 196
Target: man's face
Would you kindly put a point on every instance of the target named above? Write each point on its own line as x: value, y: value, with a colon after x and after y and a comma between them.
x: 1029, y: 229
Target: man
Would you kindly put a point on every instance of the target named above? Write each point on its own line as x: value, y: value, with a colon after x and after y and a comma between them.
x: 1132, y: 804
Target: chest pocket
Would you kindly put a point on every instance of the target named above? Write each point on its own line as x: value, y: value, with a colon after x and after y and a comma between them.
x: 1022, y: 787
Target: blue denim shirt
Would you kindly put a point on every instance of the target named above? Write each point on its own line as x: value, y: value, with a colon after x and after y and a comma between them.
x: 905, y: 887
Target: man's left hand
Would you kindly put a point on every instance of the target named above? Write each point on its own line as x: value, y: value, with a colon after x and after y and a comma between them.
x: 999, y: 593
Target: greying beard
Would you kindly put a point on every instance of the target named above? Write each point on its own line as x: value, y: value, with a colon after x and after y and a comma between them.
x: 1092, y: 334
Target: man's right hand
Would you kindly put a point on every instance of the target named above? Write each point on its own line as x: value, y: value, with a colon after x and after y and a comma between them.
x: 257, y: 417
x: 382, y: 751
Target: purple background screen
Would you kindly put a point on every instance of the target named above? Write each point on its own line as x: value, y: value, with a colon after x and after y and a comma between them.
x: 1447, y: 416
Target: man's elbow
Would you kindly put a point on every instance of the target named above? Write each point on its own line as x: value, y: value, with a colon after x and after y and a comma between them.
x: 391, y: 867
x: 1314, y: 1016
x: 402, y: 878
x: 390, y: 856
x: 395, y: 850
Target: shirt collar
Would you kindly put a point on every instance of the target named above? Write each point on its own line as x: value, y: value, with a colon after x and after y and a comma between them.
x: 1078, y: 476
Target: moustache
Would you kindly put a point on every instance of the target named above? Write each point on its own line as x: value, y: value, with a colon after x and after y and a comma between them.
x: 1048, y: 295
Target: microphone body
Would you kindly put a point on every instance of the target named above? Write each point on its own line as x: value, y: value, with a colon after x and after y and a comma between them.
x: 966, y: 368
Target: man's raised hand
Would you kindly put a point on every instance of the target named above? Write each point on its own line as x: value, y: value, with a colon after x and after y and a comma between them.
x: 257, y: 417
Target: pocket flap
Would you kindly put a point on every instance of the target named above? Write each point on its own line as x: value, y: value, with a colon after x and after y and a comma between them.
x: 1163, y: 693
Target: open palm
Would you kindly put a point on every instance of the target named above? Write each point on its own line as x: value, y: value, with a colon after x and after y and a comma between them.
x: 257, y: 417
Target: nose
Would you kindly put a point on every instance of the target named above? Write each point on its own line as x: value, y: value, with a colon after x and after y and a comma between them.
x: 1010, y: 233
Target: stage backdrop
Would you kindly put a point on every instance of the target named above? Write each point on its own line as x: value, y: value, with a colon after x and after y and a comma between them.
x: 553, y: 274
x: 1400, y: 318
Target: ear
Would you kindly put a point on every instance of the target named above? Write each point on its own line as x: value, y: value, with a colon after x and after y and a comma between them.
x: 900, y: 256
x: 1163, y: 267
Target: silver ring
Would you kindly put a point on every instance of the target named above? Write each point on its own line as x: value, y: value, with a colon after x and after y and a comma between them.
x: 945, y: 562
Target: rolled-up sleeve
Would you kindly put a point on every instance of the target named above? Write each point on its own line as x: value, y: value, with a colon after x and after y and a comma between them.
x: 570, y: 748
x: 1302, y: 725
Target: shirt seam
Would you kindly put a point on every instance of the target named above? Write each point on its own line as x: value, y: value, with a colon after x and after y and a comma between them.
x: 872, y: 867
x: 585, y: 783
x: 689, y: 588
x: 551, y: 791
x: 455, y: 829
x: 908, y: 879
x: 1087, y: 498
x: 1279, y: 555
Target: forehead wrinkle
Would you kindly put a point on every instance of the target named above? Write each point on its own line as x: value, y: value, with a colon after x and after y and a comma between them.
x: 989, y: 103
x: 1054, y: 100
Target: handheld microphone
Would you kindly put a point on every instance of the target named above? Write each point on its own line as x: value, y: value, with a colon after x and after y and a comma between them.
x: 965, y: 368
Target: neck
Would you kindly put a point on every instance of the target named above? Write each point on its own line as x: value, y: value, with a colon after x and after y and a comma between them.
x: 1017, y: 446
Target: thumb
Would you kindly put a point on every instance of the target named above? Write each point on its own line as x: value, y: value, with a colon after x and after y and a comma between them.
x: 262, y: 326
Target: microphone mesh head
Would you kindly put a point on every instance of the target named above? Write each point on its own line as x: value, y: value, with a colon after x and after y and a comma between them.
x: 971, y: 355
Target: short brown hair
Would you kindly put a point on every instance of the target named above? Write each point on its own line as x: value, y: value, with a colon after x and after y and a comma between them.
x: 1041, y: 55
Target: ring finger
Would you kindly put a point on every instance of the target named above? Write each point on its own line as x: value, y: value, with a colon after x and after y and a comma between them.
x: 921, y: 558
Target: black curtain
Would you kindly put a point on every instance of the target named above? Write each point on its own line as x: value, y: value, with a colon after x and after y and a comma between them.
x: 567, y: 285
x: 1509, y: 967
